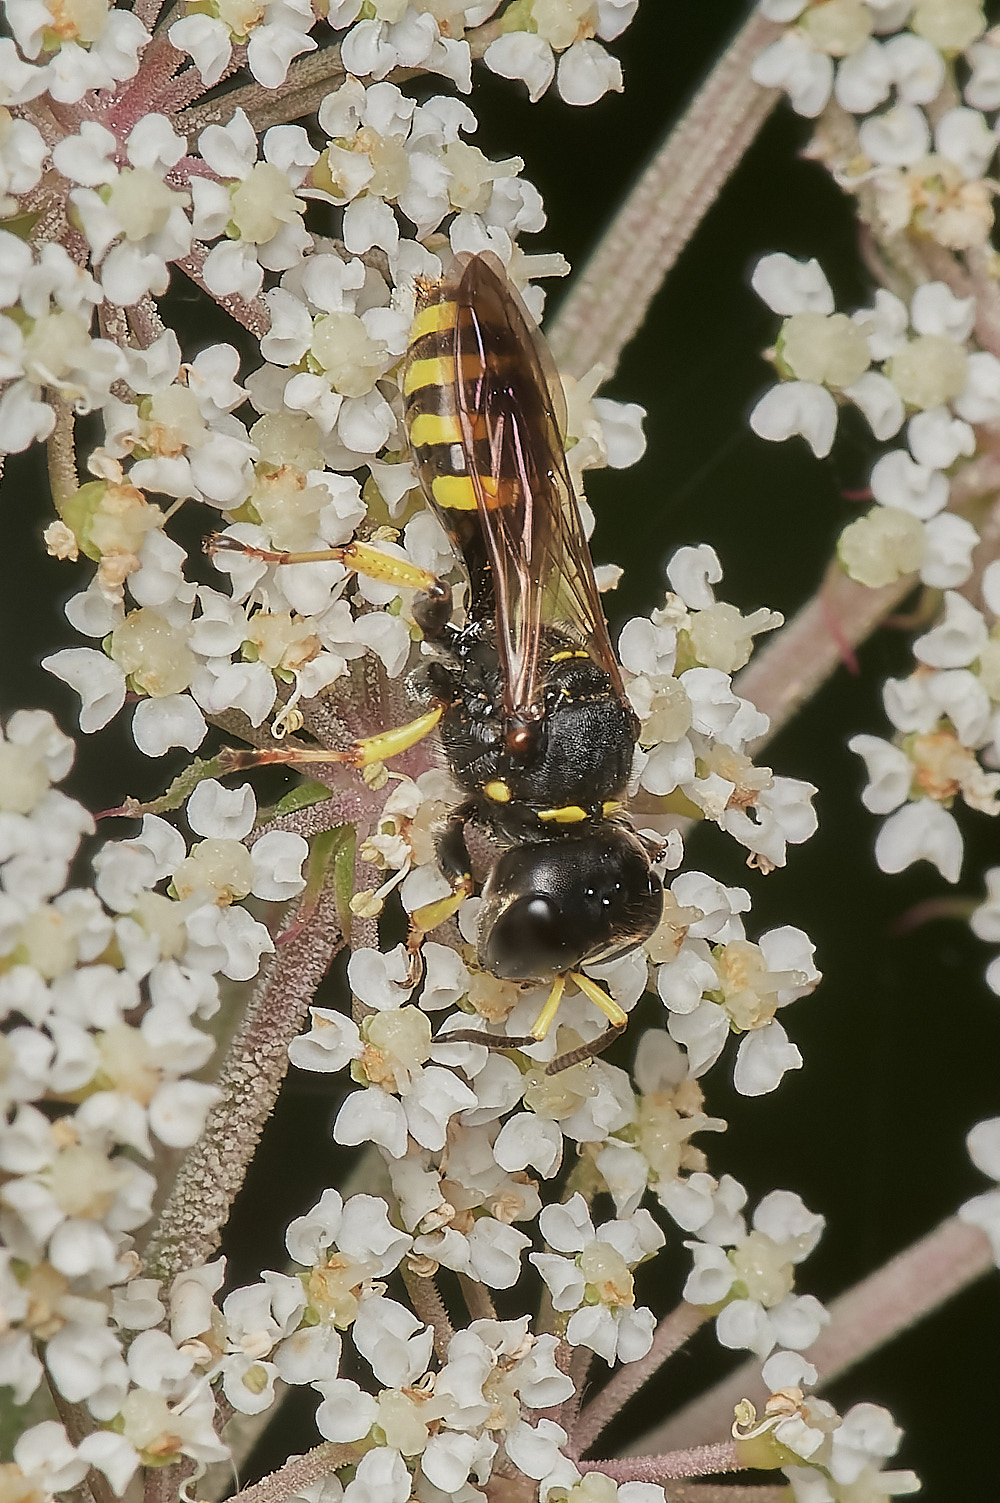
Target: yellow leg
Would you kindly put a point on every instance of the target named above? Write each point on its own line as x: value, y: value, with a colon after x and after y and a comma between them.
x: 430, y: 916
x: 360, y: 557
x: 544, y: 1020
x: 362, y: 754
x: 614, y: 1014
x: 423, y: 920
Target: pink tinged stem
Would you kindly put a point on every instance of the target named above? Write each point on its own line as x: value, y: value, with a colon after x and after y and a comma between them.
x: 253, y: 316
x: 159, y: 63
x: 298, y: 1474
x: 890, y: 1301
x: 673, y: 1331
x: 726, y: 1492
x: 798, y: 659
x: 197, y: 1208
x: 185, y: 89
x: 699, y: 1461
x: 610, y: 297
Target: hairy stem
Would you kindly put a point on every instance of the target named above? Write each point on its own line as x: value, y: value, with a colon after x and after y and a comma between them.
x: 253, y: 316
x: 429, y: 1307
x: 797, y: 660
x: 299, y: 1473
x: 610, y: 297
x: 725, y: 1492
x: 862, y: 1320
x: 189, y: 1227
x: 309, y: 80
x: 671, y: 1334
x: 61, y: 453
x: 699, y: 1461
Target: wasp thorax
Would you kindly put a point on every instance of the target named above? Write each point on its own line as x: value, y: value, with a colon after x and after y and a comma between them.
x: 551, y: 906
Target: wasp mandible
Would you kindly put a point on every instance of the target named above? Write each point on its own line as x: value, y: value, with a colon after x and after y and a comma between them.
x: 526, y: 694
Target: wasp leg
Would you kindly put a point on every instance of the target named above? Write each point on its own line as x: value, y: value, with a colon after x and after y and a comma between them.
x: 362, y: 754
x: 615, y: 1015
x: 453, y: 859
x: 361, y: 557
x: 432, y: 612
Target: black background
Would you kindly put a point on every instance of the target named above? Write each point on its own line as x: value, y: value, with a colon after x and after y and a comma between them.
x: 901, y: 1040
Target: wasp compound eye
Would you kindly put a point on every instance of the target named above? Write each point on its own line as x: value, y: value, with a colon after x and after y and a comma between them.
x: 549, y: 907
x: 528, y: 940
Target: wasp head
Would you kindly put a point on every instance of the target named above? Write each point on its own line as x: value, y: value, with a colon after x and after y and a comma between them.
x: 551, y: 906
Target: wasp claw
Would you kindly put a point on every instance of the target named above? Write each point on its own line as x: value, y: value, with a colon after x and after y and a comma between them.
x: 415, y: 967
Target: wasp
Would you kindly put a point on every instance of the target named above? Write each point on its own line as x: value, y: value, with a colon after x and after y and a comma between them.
x: 526, y: 693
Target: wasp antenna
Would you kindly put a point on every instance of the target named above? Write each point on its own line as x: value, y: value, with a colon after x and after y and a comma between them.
x: 488, y: 1040
x: 586, y: 1051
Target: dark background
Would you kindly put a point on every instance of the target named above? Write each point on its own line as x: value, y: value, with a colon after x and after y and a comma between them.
x: 901, y: 1040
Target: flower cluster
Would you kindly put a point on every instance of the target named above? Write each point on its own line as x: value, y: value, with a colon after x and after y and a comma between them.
x: 947, y: 720
x: 827, y: 1457
x: 927, y: 371
x: 101, y: 991
x: 695, y: 729
x: 945, y: 713
x: 491, y: 1162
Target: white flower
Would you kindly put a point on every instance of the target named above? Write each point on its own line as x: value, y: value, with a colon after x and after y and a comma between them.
x: 963, y: 136
x: 394, y: 1342
x: 920, y: 831
x: 983, y: 1143
x: 957, y: 640
x: 788, y: 286
x: 896, y: 480
x: 797, y: 407
x: 897, y: 138
x: 890, y: 773
x: 794, y: 65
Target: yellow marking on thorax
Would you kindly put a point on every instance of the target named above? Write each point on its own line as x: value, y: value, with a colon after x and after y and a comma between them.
x: 433, y: 319
x: 454, y: 491
x: 572, y: 814
x: 569, y: 814
x: 434, y: 428
x: 436, y: 371
x: 561, y: 657
x: 498, y: 791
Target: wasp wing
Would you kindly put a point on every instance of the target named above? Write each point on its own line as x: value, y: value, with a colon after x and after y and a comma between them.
x: 509, y: 399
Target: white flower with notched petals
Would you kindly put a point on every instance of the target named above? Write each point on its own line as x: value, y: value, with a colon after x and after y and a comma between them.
x: 788, y: 286
x: 897, y: 138
x: 805, y: 74
x: 596, y: 1284
x: 393, y: 1341
x: 263, y: 207
x: 920, y: 831
x: 797, y: 407
x: 897, y: 480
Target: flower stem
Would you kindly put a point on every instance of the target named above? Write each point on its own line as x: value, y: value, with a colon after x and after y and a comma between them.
x: 673, y: 1331
x: 610, y: 296
x: 309, y: 80
x: 61, y: 453
x: 863, y: 1320
x: 799, y: 658
x: 198, y: 1205
x: 700, y: 1461
x: 299, y: 1473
